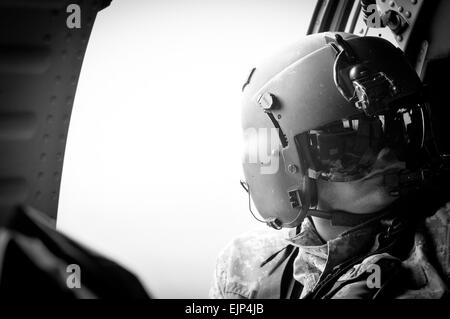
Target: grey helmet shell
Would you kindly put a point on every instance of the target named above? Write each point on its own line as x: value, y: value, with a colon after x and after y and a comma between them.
x: 291, y: 93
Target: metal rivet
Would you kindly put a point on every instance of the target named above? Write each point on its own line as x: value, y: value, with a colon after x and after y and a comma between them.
x: 65, y: 118
x: 279, y: 116
x: 392, y: 3
x: 400, y: 9
x: 292, y: 169
x: 399, y: 38
x: 408, y: 14
x: 414, y: 1
x: 53, y: 100
x: 84, y: 39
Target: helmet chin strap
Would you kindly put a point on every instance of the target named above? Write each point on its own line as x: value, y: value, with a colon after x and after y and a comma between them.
x: 344, y: 218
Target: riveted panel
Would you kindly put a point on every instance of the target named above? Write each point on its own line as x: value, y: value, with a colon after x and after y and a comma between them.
x: 40, y: 63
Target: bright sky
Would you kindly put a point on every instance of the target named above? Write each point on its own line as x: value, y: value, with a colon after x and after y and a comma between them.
x: 152, y: 165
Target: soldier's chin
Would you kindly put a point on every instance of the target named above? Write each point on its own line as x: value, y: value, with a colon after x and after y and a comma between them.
x: 358, y: 197
x: 370, y: 196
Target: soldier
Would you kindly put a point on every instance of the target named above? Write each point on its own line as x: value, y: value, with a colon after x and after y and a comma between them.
x: 352, y: 169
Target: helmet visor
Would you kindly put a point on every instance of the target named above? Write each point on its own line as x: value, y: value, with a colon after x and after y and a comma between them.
x: 346, y: 150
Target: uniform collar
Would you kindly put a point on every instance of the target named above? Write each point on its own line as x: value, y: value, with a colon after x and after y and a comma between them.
x: 317, y: 258
x: 349, y: 244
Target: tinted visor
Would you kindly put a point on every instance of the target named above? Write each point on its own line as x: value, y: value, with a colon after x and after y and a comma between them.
x: 347, y: 150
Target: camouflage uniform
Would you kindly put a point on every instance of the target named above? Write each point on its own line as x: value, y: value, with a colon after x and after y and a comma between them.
x: 239, y: 273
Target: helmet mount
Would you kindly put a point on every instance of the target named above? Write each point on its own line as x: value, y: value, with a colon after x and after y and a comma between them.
x: 358, y: 82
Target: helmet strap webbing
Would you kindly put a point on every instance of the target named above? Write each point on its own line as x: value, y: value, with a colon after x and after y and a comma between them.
x: 344, y: 218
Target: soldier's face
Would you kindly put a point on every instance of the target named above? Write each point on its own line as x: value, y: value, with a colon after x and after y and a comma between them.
x: 363, y: 196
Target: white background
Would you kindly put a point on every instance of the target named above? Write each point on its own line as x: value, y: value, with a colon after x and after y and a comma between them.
x: 152, y: 164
